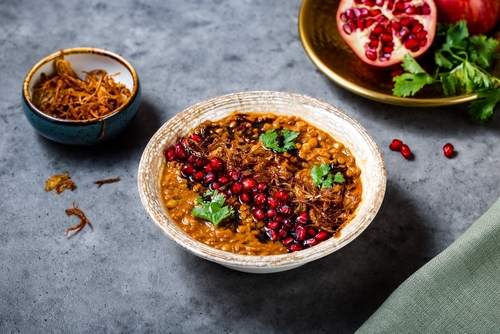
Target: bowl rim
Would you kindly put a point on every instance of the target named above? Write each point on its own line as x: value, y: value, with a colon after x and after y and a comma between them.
x: 281, y: 261
x: 80, y: 50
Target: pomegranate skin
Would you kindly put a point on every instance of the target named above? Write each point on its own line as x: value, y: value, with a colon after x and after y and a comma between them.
x: 481, y: 15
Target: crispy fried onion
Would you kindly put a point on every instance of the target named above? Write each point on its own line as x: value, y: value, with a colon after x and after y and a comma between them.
x: 66, y: 96
x: 83, y: 220
x: 59, y: 182
x: 328, y: 209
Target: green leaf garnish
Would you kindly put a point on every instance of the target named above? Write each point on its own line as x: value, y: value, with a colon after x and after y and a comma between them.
x: 322, y: 177
x: 213, y: 210
x: 279, y: 143
x: 462, y: 62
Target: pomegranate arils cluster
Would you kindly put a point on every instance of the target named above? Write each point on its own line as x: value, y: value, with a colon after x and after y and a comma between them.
x: 377, y: 29
x: 276, y: 209
x: 398, y: 145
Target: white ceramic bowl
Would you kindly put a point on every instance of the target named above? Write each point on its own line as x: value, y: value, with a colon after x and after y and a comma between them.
x: 318, y: 113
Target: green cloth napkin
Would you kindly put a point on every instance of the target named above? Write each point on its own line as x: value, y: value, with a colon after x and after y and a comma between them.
x: 456, y: 292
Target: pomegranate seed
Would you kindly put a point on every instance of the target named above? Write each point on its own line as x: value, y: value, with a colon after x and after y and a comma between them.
x: 236, y: 188
x: 396, y: 145
x: 286, y: 223
x: 448, y: 150
x: 282, y: 195
x: 322, y: 235
x: 209, y: 178
x: 170, y: 154
x: 216, y: 163
x: 425, y: 9
x: 293, y: 247
x: 273, y: 224
x: 195, y: 137
x: 261, y: 186
x: 287, y: 241
x: 406, y: 152
x: 259, y: 199
x: 259, y: 214
x: 310, y: 231
x: 180, y: 153
x: 311, y: 242
x: 214, y: 185
x: 223, y: 180
x: 187, y: 170
x: 200, y: 162
x: 397, y: 72
x: 300, y: 233
x: 234, y: 175
x: 283, y: 233
x: 273, y: 202
x: 273, y: 235
x: 198, y: 176
x: 245, y: 198
x: 208, y: 168
x: 271, y: 213
x: 248, y: 183
x: 285, y: 210
x: 302, y: 218
x: 411, y: 43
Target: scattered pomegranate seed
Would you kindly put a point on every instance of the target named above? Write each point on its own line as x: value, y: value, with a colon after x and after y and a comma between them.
x: 245, y: 198
x: 322, y: 235
x: 187, y: 170
x: 286, y: 223
x: 179, y: 151
x: 448, y: 150
x: 198, y: 176
x: 273, y: 235
x: 248, y: 183
x: 209, y: 178
x: 261, y: 186
x: 406, y: 152
x: 259, y: 214
x: 236, y: 188
x: 195, y: 137
x: 293, y: 247
x: 234, y: 175
x: 259, y: 199
x: 283, y: 233
x: 170, y: 154
x: 273, y: 224
x: 302, y: 218
x: 311, y: 242
x: 282, y: 195
x: 396, y: 145
x: 208, y: 168
x: 287, y: 241
x: 300, y: 233
x: 216, y: 163
x: 214, y: 185
x: 223, y: 180
x: 273, y: 202
x: 271, y: 213
x: 285, y: 210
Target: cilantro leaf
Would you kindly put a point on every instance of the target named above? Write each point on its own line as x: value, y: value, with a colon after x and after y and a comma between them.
x: 482, y: 109
x: 483, y: 51
x: 279, y: 143
x: 214, y: 210
x: 322, y: 177
x: 407, y: 84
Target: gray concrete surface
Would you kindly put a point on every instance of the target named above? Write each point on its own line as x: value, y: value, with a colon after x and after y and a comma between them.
x: 125, y: 276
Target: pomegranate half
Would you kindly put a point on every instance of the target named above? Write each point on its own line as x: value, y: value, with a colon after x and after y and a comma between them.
x: 381, y: 32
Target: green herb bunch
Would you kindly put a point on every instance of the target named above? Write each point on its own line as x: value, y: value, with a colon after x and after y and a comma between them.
x: 462, y: 65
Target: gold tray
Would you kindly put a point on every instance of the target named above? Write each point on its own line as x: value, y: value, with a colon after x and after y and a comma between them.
x: 328, y: 51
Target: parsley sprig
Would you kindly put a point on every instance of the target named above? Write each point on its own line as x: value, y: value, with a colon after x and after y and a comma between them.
x: 214, y: 209
x: 462, y: 64
x: 279, y: 142
x: 323, y: 178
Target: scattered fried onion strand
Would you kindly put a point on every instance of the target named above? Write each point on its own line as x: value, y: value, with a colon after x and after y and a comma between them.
x: 83, y: 220
x: 101, y: 182
x: 59, y: 182
x: 65, y: 96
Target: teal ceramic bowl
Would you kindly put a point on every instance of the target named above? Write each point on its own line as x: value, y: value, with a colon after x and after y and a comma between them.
x: 83, y: 132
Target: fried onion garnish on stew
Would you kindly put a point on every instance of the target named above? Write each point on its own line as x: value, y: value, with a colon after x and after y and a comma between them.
x: 83, y: 220
x: 59, y: 182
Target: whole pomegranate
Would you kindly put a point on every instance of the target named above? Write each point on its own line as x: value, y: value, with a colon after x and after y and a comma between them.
x: 481, y: 15
x: 381, y: 32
